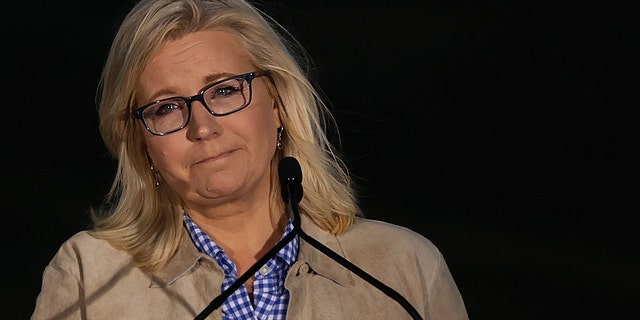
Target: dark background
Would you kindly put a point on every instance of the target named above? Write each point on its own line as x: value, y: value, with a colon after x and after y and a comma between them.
x: 502, y: 131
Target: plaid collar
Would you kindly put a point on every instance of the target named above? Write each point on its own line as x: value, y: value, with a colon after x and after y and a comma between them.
x: 205, y: 244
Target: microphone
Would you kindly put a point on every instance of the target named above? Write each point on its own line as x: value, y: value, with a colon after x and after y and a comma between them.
x: 290, y: 176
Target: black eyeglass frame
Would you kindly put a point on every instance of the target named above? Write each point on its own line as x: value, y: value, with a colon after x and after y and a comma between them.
x: 248, y: 77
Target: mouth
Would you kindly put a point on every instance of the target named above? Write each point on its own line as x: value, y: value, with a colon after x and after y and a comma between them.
x: 217, y: 157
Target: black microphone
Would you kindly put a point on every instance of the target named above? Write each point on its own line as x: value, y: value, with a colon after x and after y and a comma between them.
x: 290, y: 176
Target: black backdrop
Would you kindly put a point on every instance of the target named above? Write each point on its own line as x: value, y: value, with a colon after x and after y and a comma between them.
x: 501, y: 131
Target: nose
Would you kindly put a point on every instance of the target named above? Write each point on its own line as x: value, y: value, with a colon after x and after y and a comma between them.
x: 202, y: 124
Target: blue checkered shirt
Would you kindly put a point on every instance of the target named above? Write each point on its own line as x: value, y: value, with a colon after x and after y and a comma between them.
x: 270, y: 297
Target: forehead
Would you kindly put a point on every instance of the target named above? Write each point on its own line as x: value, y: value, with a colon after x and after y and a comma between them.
x: 211, y: 40
x: 186, y: 64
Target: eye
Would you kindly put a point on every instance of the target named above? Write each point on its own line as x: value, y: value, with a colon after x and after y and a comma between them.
x: 165, y: 108
x: 226, y: 90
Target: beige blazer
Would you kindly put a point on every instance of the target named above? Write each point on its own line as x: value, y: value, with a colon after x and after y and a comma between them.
x: 89, y: 279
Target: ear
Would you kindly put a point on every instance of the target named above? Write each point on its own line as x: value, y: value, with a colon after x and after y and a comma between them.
x: 149, y: 159
x: 276, y: 114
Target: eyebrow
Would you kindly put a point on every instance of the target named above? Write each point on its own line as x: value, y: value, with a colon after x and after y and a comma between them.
x: 212, y: 77
x: 207, y: 79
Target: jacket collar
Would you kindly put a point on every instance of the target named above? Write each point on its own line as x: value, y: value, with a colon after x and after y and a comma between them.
x: 317, y: 260
x: 187, y: 258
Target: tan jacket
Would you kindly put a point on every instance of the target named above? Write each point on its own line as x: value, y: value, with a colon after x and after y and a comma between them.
x: 89, y: 279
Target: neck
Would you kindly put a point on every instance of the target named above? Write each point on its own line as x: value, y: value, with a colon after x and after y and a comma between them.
x: 245, y: 234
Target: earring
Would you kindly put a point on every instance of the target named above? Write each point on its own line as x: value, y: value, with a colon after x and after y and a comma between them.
x: 279, y: 144
x: 156, y: 174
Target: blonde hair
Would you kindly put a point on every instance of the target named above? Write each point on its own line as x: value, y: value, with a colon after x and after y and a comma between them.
x: 146, y: 220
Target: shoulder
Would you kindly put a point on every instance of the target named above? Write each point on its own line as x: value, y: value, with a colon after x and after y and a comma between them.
x: 368, y: 225
x: 408, y: 261
x: 85, y: 243
x: 395, y: 253
x: 379, y: 232
x: 388, y: 241
x: 82, y: 248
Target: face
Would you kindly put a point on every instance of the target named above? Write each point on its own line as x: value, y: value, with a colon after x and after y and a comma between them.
x: 213, y: 160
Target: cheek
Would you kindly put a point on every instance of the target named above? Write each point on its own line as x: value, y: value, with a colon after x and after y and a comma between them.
x: 266, y: 115
x: 265, y: 125
x: 164, y: 151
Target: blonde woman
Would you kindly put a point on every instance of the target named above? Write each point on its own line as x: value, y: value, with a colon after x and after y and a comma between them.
x: 199, y: 102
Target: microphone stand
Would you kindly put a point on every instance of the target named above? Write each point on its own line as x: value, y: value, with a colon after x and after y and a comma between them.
x: 292, y: 185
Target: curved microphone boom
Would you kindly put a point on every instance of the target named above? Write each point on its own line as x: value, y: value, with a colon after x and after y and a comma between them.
x: 290, y: 176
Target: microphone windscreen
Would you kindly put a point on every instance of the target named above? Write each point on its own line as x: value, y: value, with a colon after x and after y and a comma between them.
x: 289, y: 170
x: 290, y: 176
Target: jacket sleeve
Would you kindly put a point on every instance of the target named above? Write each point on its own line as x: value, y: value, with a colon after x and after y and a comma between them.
x: 61, y: 294
x: 444, y: 299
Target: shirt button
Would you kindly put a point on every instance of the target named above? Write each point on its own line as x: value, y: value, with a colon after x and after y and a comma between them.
x: 264, y: 270
x: 304, y: 268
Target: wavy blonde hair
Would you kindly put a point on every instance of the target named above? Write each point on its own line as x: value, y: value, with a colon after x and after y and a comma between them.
x: 146, y: 220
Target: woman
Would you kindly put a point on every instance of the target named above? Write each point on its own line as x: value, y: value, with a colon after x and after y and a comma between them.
x: 200, y: 100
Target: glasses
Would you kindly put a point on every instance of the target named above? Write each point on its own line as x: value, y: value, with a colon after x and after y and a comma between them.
x: 220, y: 98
